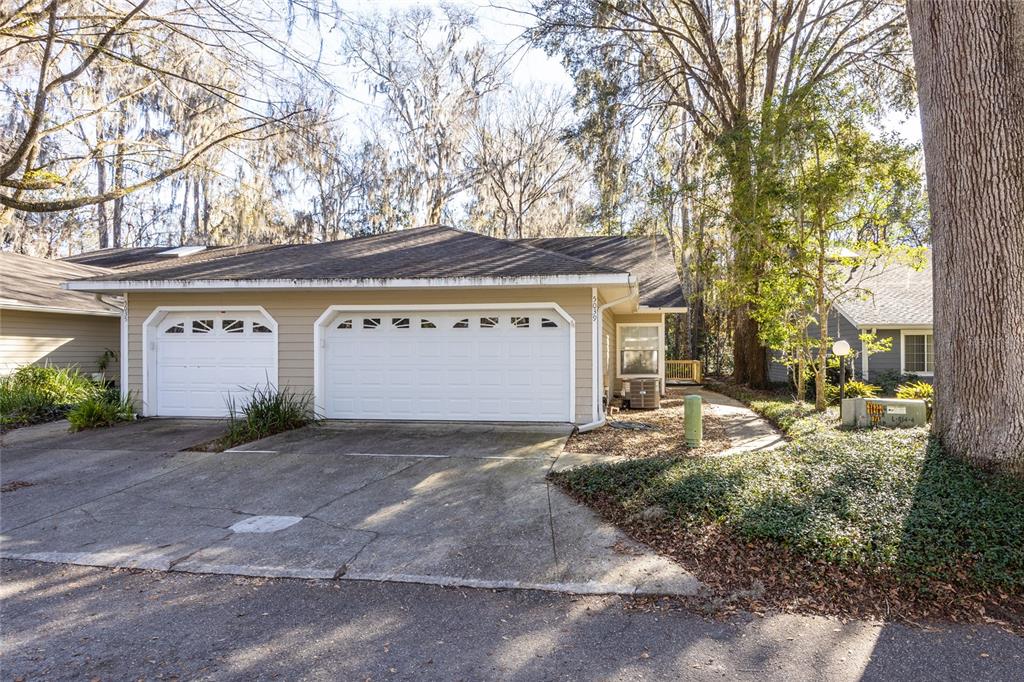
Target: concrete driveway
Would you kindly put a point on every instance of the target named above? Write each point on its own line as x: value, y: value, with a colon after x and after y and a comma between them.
x: 440, y: 504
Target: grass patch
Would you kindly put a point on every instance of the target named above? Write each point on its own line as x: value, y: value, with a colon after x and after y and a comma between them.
x: 270, y: 411
x: 888, y: 507
x: 33, y: 394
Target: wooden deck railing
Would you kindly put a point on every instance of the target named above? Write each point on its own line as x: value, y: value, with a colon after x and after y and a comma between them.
x: 683, y: 370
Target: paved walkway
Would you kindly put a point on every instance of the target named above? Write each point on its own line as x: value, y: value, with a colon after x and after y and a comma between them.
x: 746, y: 430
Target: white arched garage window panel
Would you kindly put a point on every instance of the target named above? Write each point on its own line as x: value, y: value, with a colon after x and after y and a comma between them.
x: 465, y: 364
x: 200, y: 361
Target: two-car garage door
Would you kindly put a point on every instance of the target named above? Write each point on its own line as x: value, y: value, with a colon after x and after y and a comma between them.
x: 482, y: 365
x: 474, y: 365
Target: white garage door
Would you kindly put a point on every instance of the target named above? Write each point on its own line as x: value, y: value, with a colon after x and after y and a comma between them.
x: 205, y: 359
x: 492, y: 365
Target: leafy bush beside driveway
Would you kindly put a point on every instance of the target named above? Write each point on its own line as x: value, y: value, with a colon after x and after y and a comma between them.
x: 105, y: 410
x: 34, y: 394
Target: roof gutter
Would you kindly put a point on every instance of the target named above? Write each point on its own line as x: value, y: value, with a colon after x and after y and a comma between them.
x: 589, y: 280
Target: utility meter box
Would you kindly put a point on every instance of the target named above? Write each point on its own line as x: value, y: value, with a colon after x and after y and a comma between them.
x: 885, y: 412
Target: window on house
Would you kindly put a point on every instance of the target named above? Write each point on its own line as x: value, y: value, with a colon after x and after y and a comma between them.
x: 233, y: 326
x: 400, y: 322
x: 461, y: 324
x: 427, y: 324
x: 918, y: 353
x: 176, y: 329
x: 638, y: 350
x: 258, y: 328
x: 345, y: 324
x: 488, y: 322
x: 545, y: 323
x: 521, y: 322
x: 371, y: 322
x: 202, y: 326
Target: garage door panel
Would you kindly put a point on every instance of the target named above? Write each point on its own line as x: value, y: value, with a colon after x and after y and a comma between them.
x: 481, y: 369
x: 208, y: 360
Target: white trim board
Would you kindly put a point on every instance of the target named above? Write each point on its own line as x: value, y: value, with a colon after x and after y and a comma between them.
x: 668, y: 309
x: 378, y: 283
x: 122, y: 356
x: 160, y: 312
x: 321, y: 322
x: 903, y: 350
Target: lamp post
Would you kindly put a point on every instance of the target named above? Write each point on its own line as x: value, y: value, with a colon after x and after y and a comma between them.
x: 841, y: 349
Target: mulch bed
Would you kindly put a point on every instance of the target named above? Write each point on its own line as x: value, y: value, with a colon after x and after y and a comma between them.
x: 759, y: 577
x: 665, y: 439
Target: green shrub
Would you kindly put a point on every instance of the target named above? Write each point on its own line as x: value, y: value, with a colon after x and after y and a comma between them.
x: 916, y: 390
x: 890, y: 379
x: 105, y: 410
x: 270, y: 410
x: 854, y: 389
x: 60, y: 385
x: 34, y: 394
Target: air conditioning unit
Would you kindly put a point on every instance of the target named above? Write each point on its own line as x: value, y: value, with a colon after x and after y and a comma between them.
x: 642, y: 394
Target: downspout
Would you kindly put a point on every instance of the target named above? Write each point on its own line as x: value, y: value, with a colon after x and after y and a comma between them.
x: 598, y: 329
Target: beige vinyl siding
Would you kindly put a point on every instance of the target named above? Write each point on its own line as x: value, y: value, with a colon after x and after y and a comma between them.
x: 297, y: 311
x: 66, y: 340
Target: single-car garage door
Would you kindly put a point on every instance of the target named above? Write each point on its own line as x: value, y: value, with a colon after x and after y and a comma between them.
x: 478, y: 365
x: 206, y: 359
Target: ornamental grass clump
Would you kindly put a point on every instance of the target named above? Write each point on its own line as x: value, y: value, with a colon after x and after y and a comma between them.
x: 269, y: 411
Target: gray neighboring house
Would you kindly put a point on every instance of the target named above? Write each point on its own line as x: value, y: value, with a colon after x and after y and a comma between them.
x: 899, y: 308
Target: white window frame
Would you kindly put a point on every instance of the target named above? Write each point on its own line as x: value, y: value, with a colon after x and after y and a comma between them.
x: 904, y: 333
x: 661, y: 350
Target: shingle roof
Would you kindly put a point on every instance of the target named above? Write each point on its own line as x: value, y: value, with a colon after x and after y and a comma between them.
x: 425, y: 252
x: 125, y: 257
x: 28, y: 282
x: 649, y: 259
x: 899, y: 295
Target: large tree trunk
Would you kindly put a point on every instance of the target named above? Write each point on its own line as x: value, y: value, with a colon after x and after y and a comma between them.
x: 970, y: 72
x: 750, y: 358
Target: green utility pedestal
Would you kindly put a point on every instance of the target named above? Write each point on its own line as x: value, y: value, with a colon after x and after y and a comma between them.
x: 693, y: 420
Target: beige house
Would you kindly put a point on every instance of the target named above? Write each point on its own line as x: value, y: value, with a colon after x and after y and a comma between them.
x: 42, y: 323
x: 425, y: 324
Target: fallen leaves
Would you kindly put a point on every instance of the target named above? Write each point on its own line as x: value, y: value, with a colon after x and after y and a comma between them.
x: 759, y: 577
x: 666, y: 438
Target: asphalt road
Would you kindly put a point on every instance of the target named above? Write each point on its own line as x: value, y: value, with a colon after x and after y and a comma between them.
x: 73, y: 622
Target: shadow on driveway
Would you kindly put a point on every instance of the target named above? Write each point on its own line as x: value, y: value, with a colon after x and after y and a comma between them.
x: 463, y: 505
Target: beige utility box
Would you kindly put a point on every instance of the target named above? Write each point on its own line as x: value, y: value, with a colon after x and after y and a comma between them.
x: 886, y: 412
